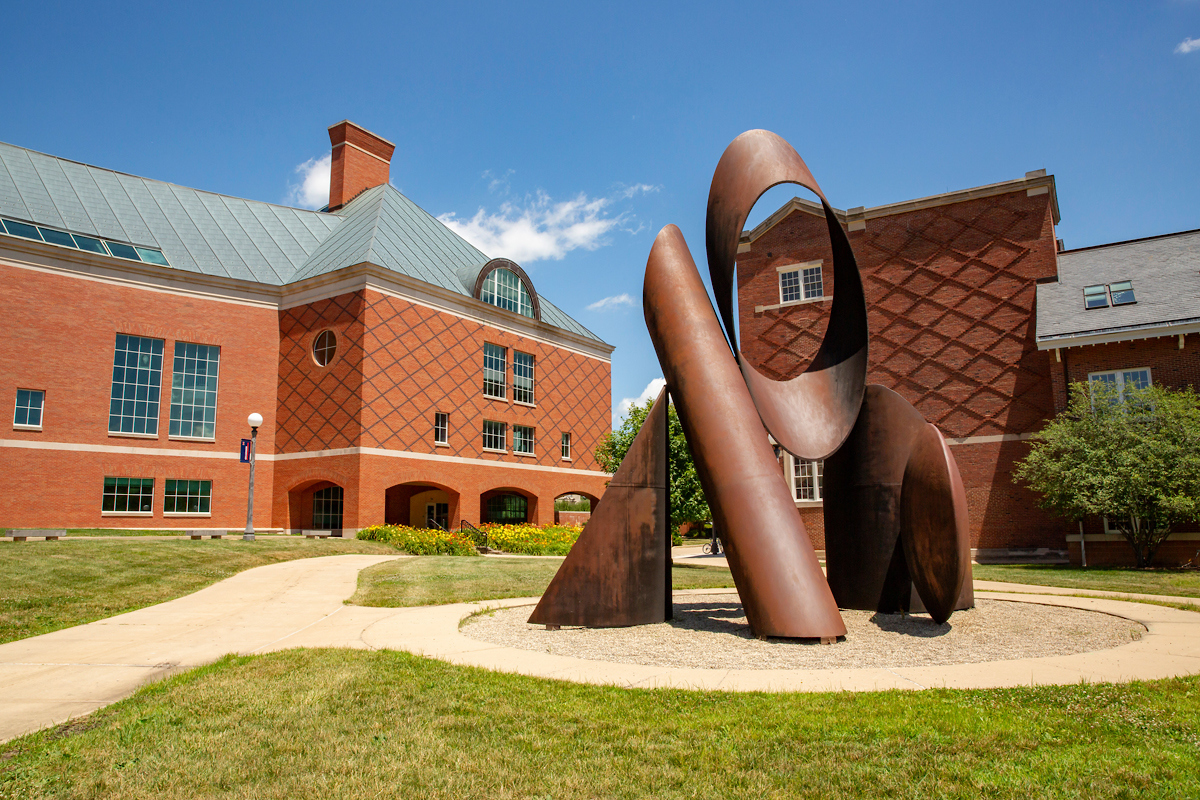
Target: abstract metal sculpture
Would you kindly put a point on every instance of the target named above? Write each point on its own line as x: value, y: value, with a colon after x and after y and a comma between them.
x: 619, y: 572
x: 895, y: 508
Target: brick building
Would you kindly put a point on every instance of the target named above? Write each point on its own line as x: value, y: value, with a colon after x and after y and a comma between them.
x: 974, y: 316
x: 402, y: 374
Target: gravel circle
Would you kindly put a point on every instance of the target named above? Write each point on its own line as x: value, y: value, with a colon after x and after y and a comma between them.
x: 711, y: 632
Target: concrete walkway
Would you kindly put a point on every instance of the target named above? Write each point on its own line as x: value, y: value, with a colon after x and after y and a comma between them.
x: 48, y: 679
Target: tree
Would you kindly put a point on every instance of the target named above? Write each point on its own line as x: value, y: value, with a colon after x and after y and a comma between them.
x: 1134, y: 458
x: 688, y: 503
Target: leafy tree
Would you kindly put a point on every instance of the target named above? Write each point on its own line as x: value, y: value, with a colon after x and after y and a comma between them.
x: 1135, y: 460
x: 688, y: 503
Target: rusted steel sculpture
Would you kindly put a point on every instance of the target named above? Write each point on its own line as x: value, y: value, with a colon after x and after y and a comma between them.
x: 619, y: 572
x: 774, y: 567
x: 895, y: 514
x: 895, y: 508
x: 811, y: 414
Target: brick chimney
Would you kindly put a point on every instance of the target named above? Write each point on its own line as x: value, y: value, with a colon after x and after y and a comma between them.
x: 360, y: 161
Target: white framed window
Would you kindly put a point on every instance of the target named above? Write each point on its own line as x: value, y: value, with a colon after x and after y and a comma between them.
x: 505, y: 289
x: 566, y: 446
x: 187, y: 497
x: 495, y: 370
x: 800, y: 283
x: 441, y: 428
x: 495, y: 436
x: 136, y: 385
x: 194, y: 391
x: 522, y: 378
x: 808, y: 479
x: 1120, y: 381
x: 132, y: 496
x: 28, y: 413
x: 523, y: 440
x: 324, y: 348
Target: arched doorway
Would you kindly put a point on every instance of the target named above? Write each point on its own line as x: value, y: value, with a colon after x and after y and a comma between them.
x: 574, y: 508
x: 316, y: 505
x: 421, y: 505
x: 327, y: 506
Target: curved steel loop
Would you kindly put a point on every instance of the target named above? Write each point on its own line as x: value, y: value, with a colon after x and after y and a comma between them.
x: 813, y: 413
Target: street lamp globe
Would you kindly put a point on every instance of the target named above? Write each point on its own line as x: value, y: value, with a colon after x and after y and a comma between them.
x: 255, y: 420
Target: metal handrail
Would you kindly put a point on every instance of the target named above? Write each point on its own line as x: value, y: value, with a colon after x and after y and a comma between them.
x: 435, y: 524
x: 479, y: 537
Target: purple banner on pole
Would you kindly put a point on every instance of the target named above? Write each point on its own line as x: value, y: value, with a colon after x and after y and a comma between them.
x: 245, y: 451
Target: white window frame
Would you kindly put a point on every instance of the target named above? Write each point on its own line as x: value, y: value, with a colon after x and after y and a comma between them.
x: 1120, y: 376
x: 22, y: 426
x: 793, y: 479
x: 532, y: 377
x: 443, y: 429
x: 799, y: 270
x: 502, y: 385
x: 503, y: 436
x: 532, y: 440
x: 565, y: 445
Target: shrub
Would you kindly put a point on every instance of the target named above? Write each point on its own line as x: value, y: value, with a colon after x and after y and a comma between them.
x: 420, y: 541
x: 530, y: 540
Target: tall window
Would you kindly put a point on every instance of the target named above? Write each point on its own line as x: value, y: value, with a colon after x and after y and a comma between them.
x: 495, y: 370
x: 523, y: 439
x: 194, y: 391
x: 187, y: 497
x: 441, y: 428
x: 128, y: 495
x: 566, y: 446
x: 1117, y: 383
x: 808, y: 479
x: 327, y: 508
x: 28, y: 413
x: 522, y: 377
x: 503, y: 288
x: 495, y: 435
x: 137, y: 381
x: 803, y: 283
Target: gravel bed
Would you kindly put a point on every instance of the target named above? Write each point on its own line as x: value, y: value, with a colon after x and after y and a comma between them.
x: 711, y: 632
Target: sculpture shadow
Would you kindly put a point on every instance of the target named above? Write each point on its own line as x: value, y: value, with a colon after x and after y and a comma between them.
x: 727, y: 617
x: 921, y: 627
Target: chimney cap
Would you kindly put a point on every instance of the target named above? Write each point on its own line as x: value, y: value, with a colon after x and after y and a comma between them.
x: 358, y: 127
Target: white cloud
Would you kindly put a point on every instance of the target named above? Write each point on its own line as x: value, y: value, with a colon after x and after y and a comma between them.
x: 616, y: 301
x: 541, y: 228
x: 313, y: 189
x: 649, y: 393
x: 1188, y: 45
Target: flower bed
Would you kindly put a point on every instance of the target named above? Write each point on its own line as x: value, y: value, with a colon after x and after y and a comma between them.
x: 420, y: 541
x: 531, y: 540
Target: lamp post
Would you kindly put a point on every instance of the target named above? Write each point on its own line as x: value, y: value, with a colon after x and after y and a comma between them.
x: 255, y: 420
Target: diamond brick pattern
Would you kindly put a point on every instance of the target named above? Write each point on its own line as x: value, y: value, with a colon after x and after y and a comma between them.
x: 950, y: 295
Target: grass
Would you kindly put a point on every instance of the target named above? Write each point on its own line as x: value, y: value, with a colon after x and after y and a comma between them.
x: 51, y: 585
x: 435, y: 580
x: 335, y: 723
x: 1181, y: 583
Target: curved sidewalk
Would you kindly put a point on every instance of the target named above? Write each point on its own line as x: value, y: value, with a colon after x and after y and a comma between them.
x: 45, y: 680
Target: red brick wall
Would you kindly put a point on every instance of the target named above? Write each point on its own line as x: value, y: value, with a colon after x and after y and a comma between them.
x: 62, y: 332
x: 950, y: 296
x: 1169, y: 366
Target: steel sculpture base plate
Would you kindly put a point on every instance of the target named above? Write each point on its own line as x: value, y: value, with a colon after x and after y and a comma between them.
x: 619, y: 571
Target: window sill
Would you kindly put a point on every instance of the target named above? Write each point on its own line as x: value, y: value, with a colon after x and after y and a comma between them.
x: 27, y: 427
x: 809, y: 503
x: 790, y: 303
x: 565, y: 458
x: 494, y: 397
x: 204, y: 514
x: 441, y: 444
x: 127, y: 513
x: 119, y: 435
x: 191, y: 439
x: 492, y: 450
x: 525, y: 455
x: 527, y: 405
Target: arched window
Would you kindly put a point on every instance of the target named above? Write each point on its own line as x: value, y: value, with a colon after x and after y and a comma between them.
x: 503, y: 288
x: 507, y: 509
x: 324, y: 348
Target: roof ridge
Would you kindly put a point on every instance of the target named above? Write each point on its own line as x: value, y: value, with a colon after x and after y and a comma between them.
x: 1128, y: 241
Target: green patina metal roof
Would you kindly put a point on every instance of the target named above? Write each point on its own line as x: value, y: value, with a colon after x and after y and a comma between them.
x: 213, y: 234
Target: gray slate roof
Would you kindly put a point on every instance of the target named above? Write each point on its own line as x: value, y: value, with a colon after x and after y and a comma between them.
x: 1165, y: 271
x: 214, y: 234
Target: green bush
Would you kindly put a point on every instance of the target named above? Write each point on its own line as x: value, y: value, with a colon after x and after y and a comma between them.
x: 420, y: 541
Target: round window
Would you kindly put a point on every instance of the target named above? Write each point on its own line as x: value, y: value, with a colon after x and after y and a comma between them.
x: 324, y: 348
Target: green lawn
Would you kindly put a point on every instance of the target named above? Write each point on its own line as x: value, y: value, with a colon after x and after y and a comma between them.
x: 1182, y: 583
x: 435, y: 580
x: 52, y: 585
x: 330, y: 723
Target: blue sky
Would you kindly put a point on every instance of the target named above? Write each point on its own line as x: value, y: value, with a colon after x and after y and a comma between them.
x: 566, y: 135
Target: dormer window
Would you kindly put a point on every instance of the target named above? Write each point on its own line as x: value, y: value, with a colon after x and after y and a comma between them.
x: 1095, y: 296
x: 502, y: 288
x: 1122, y: 293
